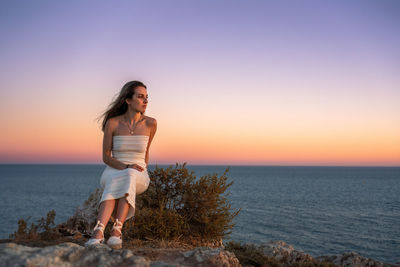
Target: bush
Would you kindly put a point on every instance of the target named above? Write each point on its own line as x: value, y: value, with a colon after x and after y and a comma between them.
x: 177, y: 205
x: 42, y: 229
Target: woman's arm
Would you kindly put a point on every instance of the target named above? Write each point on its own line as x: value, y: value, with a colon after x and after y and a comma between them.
x: 153, y: 129
x: 110, y: 126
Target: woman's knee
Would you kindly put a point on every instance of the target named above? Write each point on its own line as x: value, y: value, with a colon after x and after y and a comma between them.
x: 123, y: 199
x: 111, y: 201
x: 133, y: 172
x: 141, y: 186
x: 107, y: 203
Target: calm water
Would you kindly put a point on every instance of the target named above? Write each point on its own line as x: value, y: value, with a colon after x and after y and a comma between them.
x: 320, y: 210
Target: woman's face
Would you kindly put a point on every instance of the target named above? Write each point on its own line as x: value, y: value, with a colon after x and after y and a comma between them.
x: 139, y: 100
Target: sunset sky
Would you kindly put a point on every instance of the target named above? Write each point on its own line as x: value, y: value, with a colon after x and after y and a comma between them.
x: 229, y: 82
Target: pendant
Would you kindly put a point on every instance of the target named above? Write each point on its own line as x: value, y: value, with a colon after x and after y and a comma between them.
x: 131, y: 132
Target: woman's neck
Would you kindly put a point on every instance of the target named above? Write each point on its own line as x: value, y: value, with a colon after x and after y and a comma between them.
x: 132, y: 117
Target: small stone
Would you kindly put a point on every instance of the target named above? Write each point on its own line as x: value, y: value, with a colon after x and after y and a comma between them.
x: 77, y: 235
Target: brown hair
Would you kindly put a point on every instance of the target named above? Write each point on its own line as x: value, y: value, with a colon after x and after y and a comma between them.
x: 119, y: 106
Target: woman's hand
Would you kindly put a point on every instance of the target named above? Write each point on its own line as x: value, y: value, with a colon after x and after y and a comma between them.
x: 137, y: 167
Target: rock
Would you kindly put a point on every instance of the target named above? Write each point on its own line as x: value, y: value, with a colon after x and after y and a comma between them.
x: 354, y: 259
x: 71, y: 254
x: 284, y: 252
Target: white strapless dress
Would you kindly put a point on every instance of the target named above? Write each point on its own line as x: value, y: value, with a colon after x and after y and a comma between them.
x: 127, y: 182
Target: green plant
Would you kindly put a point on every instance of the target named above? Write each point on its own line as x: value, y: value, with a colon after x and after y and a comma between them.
x: 177, y: 205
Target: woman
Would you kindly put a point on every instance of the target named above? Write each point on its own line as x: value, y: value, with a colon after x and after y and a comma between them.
x: 127, y: 137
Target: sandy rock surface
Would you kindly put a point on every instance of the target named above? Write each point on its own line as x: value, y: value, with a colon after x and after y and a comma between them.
x: 71, y: 254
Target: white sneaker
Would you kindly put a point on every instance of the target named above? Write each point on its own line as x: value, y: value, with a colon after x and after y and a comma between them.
x: 94, y: 241
x: 115, y: 242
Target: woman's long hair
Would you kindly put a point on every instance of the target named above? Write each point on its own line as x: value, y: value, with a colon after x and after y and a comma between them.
x: 118, y: 106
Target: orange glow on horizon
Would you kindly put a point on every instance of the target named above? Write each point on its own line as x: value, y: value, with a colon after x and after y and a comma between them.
x: 66, y: 146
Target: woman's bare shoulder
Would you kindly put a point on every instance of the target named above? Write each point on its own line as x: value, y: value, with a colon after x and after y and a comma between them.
x: 115, y: 120
x: 150, y: 121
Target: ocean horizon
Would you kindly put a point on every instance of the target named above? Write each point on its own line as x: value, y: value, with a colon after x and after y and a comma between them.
x: 322, y: 210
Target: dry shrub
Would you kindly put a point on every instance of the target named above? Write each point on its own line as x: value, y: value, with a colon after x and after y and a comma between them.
x: 42, y: 230
x: 177, y: 205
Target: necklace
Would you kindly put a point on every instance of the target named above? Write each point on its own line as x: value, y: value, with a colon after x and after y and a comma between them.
x: 131, y: 130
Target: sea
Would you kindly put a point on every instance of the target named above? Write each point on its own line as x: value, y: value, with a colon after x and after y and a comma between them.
x: 319, y: 210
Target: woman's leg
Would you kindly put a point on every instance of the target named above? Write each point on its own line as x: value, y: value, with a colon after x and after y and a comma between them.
x: 105, y: 211
x: 123, y: 205
x: 122, y: 213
